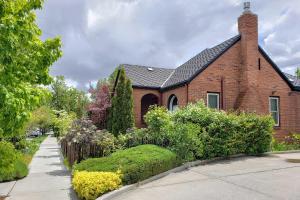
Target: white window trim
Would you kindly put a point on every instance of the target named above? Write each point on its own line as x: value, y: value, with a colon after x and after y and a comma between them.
x: 213, y: 94
x: 278, y: 109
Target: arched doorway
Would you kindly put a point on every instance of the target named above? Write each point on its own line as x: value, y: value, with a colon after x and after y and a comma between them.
x: 146, y: 102
x: 172, y: 103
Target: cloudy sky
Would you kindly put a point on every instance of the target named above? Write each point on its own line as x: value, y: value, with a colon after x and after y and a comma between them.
x: 98, y: 35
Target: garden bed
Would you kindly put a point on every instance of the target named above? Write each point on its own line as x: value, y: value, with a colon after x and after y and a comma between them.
x: 131, y: 165
x: 14, y: 164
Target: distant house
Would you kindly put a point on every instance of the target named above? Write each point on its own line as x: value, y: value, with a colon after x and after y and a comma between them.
x: 234, y: 75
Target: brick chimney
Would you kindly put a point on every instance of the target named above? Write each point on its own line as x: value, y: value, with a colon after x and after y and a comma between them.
x: 249, y: 99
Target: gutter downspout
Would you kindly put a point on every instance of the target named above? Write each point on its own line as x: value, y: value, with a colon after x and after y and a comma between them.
x: 187, y: 94
x: 222, y: 93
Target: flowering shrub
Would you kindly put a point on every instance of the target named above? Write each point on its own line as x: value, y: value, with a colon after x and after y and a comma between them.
x: 87, y: 142
x: 90, y: 185
x: 62, y: 122
x: 101, y: 102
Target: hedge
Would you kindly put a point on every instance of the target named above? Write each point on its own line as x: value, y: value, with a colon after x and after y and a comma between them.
x: 136, y: 164
x: 197, y: 132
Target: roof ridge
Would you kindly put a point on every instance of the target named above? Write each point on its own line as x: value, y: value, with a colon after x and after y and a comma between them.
x: 144, y: 66
x: 168, y: 78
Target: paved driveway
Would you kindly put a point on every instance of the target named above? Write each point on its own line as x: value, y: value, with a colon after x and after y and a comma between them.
x: 264, y: 178
x: 48, y: 178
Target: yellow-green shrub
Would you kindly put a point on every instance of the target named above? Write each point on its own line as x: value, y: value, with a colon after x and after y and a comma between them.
x: 90, y: 185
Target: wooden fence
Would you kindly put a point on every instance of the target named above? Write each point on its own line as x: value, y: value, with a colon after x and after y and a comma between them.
x: 75, y: 152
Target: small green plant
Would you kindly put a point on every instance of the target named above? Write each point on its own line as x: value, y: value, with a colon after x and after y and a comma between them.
x: 136, y: 164
x: 291, y: 142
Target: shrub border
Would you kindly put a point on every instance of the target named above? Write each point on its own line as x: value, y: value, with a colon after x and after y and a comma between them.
x: 127, y: 188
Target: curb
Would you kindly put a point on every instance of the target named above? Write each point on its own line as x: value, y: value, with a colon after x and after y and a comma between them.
x: 281, y: 152
x: 181, y: 168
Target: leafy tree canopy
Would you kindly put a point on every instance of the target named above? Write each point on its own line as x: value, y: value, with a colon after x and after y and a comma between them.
x: 24, y: 63
x: 68, y: 98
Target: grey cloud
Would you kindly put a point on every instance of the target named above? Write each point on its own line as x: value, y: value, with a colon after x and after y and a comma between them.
x: 99, y: 35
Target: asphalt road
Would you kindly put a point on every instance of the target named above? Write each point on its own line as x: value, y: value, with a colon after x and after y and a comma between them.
x: 260, y: 178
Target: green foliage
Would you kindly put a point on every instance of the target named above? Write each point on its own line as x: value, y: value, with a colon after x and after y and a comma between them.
x: 11, y: 165
x: 257, y: 132
x: 42, y: 118
x: 197, y: 132
x: 136, y: 164
x: 291, y: 142
x: 62, y: 122
x: 121, y: 113
x: 184, y: 141
x: 68, y: 98
x: 33, y: 145
x: 298, y: 72
x: 24, y: 63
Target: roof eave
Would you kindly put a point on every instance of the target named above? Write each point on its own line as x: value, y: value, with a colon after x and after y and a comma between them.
x: 145, y: 87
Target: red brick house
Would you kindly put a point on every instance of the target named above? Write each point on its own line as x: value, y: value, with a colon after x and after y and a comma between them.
x: 234, y: 75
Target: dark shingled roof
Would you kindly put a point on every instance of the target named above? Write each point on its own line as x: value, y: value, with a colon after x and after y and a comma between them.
x: 293, y: 79
x: 195, y: 65
x: 143, y: 76
x: 163, y: 78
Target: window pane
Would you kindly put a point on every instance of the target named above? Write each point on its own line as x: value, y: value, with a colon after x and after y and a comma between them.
x: 275, y: 117
x: 273, y: 105
x: 213, y: 101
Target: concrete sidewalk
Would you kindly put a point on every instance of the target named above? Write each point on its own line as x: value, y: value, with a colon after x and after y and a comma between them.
x: 261, y: 178
x: 48, y: 178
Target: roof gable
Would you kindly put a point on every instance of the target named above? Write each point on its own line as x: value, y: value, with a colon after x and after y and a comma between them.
x: 190, y: 69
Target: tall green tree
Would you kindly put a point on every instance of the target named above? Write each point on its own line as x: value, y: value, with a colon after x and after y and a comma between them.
x: 298, y: 72
x: 24, y: 63
x: 59, y: 96
x: 121, y: 112
x: 129, y: 114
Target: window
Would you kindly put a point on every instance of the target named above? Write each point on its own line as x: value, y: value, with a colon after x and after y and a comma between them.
x: 173, y: 103
x: 213, y: 100
x: 274, y: 109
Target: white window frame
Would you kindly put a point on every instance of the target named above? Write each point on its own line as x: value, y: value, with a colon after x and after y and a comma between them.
x: 213, y: 94
x: 278, y: 109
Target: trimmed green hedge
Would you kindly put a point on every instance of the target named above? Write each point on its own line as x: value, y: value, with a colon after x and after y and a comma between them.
x: 136, y: 164
x: 197, y: 132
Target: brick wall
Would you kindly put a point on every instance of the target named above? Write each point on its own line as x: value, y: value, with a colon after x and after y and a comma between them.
x: 137, y: 103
